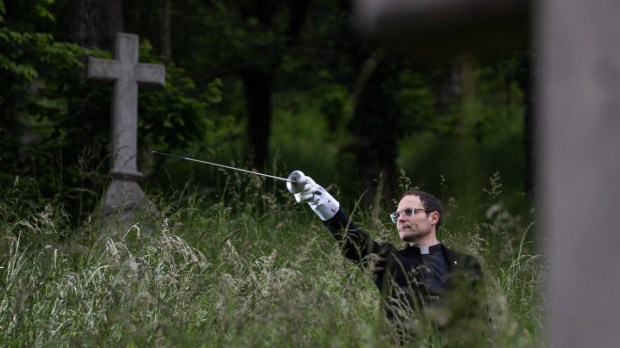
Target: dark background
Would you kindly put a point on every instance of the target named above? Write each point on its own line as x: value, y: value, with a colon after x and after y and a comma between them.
x: 268, y: 85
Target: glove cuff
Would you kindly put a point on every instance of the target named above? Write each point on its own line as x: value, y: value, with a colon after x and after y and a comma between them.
x: 326, y: 206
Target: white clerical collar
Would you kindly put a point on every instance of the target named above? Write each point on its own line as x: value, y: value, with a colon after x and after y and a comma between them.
x: 424, y: 249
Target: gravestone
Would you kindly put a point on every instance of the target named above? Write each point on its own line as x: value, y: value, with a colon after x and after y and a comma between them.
x: 124, y: 193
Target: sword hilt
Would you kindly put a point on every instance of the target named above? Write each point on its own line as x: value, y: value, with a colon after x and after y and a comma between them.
x: 296, y: 182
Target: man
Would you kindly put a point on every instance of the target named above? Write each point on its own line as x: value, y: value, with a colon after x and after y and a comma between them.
x: 425, y: 278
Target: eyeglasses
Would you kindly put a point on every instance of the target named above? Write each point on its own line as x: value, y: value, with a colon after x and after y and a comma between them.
x: 407, y: 211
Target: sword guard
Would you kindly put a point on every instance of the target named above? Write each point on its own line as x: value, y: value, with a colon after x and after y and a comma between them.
x: 297, y: 182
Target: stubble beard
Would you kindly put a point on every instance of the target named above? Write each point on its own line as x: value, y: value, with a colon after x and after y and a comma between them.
x: 410, y: 235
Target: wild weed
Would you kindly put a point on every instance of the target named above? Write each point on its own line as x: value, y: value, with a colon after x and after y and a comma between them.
x: 249, y: 268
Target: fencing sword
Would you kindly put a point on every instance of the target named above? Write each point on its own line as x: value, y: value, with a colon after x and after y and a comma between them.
x: 293, y: 182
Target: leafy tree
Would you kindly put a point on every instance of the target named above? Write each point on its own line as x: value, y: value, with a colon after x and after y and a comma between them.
x: 27, y: 57
x: 304, y: 56
x: 240, y: 41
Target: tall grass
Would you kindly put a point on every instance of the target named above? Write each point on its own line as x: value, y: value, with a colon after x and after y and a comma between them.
x: 250, y: 268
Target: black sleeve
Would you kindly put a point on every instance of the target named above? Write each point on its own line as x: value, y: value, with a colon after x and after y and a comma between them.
x: 355, y: 243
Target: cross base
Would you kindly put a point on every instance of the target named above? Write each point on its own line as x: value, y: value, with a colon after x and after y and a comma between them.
x: 126, y: 175
x: 123, y: 200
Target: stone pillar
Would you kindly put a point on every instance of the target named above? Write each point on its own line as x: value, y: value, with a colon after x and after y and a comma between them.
x: 578, y: 43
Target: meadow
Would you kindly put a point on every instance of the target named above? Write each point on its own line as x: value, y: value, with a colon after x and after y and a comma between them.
x: 243, y: 267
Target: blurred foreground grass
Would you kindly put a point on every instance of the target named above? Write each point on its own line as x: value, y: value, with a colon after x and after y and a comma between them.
x: 250, y: 269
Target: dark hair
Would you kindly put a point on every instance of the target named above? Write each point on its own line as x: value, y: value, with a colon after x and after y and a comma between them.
x: 430, y: 203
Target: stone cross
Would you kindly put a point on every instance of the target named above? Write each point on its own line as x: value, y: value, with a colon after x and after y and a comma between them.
x: 126, y: 72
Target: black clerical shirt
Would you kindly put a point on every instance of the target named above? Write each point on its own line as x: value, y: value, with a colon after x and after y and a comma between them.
x: 432, y: 268
x: 413, y: 275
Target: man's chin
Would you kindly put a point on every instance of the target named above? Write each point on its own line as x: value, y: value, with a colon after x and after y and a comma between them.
x: 407, y: 237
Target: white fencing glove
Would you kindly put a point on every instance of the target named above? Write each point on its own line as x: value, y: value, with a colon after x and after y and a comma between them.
x: 308, y: 191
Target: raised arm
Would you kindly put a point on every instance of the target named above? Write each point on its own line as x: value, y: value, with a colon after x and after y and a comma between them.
x: 355, y: 243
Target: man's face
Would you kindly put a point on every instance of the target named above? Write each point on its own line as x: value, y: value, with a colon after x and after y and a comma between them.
x: 417, y: 228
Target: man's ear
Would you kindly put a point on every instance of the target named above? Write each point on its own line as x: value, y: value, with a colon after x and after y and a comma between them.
x: 434, y: 217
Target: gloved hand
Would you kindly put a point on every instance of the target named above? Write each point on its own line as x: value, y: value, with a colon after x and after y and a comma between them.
x: 321, y: 202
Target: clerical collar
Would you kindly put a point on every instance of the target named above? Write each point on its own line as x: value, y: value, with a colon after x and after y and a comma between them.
x: 427, y: 249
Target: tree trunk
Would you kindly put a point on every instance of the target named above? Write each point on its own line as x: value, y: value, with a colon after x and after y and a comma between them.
x: 448, y: 86
x: 258, y: 90
x: 529, y: 135
x: 95, y: 22
x: 166, y: 30
x: 375, y: 125
x: 258, y: 79
x: 92, y: 23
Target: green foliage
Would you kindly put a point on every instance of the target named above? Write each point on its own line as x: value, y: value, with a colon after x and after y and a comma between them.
x: 29, y: 81
x: 177, y: 116
x: 54, y: 120
x: 64, y: 119
x: 465, y: 139
x: 237, y: 272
